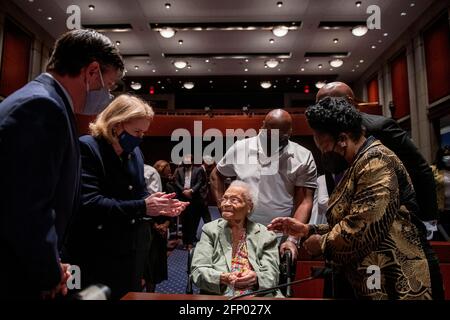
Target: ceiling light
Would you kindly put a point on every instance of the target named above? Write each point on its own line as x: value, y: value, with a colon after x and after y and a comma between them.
x: 188, y: 85
x: 336, y: 63
x: 180, y: 42
x: 167, y: 33
x: 374, y: 47
x: 274, y: 86
x: 359, y: 31
x: 320, y: 66
x: 245, y: 87
x: 91, y: 7
x: 180, y: 64
x: 331, y: 69
x: 136, y: 67
x: 307, y: 60
x: 353, y: 70
x: 207, y: 60
x: 336, y: 40
x: 189, y: 66
x: 298, y: 81
x: 266, y: 84
x: 49, y: 18
x: 210, y: 81
x: 167, y: 5
x: 280, y: 31
x: 279, y: 4
x: 361, y: 61
x: 302, y: 69
x: 271, y: 41
x: 245, y: 69
x: 39, y: 10
x: 358, y: 4
x: 380, y: 41
x: 386, y: 34
x: 246, y: 60
x: 30, y: 0
x: 320, y: 84
x: 153, y: 70
x: 412, y: 4
x: 135, y: 85
x: 117, y: 43
x: 357, y: 66
x: 272, y: 63
x: 403, y: 14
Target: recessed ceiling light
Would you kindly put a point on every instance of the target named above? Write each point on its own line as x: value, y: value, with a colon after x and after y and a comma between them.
x: 271, y: 41
x: 331, y: 69
x: 279, y: 4
x: 245, y: 81
x: 188, y: 85
x: 210, y: 81
x: 358, y: 4
x: 176, y: 70
x: 153, y: 70
x: 39, y: 10
x: 91, y: 7
x: 265, y: 66
x: 298, y: 81
x: 280, y: 31
x: 167, y: 32
x: 359, y: 31
x: 282, y: 60
x: 162, y: 87
x: 136, y: 67
x: 148, y: 61
x: 180, y: 64
x: 246, y: 60
x: 135, y: 85
x: 117, y: 43
x: 307, y: 60
x: 167, y: 5
x: 272, y: 63
x: 380, y: 41
x: 207, y: 60
x: 245, y: 69
x: 245, y: 87
x: 266, y: 84
x: 302, y: 69
x: 279, y: 69
x: 49, y: 18
x: 374, y: 47
x: 403, y: 14
x: 275, y: 86
x: 357, y: 66
x: 386, y: 34
x: 320, y: 66
x: 159, y: 81
x: 361, y: 61
x: 30, y: 0
x: 189, y: 66
x: 412, y: 4
x: 180, y: 42
x: 353, y: 70
x: 336, y: 63
x: 336, y: 40
x: 320, y: 84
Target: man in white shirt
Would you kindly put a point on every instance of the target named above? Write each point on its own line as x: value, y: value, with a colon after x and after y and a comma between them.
x: 152, y: 179
x: 284, y: 177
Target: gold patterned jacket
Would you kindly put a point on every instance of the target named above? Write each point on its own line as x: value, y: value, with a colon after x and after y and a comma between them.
x: 370, y: 224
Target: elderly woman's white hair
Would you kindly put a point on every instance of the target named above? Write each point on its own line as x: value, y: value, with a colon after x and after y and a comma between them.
x: 249, y: 193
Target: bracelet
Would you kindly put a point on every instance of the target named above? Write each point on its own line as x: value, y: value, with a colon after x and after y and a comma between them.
x: 293, y: 240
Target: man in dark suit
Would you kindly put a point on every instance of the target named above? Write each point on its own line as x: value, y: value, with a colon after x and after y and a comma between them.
x: 392, y: 136
x: 189, y: 183
x: 40, y: 161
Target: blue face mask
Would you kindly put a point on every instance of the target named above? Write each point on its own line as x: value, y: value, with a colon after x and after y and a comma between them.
x: 128, y: 142
x: 97, y: 100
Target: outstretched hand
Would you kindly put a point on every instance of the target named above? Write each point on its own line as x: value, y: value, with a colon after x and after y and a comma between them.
x: 289, y: 226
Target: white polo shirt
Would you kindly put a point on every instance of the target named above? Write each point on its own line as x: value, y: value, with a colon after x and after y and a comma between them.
x: 273, y: 178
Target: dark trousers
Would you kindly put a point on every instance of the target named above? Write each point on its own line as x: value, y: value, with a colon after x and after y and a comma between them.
x: 190, y: 220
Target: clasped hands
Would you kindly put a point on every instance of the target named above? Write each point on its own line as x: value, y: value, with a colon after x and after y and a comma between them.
x: 293, y: 227
x: 161, y: 203
x: 240, y: 280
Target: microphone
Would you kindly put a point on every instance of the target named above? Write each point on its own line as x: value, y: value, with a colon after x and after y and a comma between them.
x: 316, y: 273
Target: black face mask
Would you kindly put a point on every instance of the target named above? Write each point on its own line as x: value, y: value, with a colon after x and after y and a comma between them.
x: 334, y: 162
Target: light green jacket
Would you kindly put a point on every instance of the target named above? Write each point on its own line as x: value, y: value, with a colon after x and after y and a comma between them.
x: 212, y: 256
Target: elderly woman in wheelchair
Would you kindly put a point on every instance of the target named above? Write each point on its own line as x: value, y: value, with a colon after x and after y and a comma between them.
x: 235, y: 255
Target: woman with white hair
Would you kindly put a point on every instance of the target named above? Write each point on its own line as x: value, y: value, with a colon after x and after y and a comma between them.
x: 235, y: 255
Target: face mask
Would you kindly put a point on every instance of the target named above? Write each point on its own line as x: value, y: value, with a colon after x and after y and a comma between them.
x: 446, y: 161
x: 128, y: 142
x: 96, y: 100
x: 334, y: 162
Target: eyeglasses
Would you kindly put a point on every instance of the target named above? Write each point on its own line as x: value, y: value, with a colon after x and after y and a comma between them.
x: 233, y: 200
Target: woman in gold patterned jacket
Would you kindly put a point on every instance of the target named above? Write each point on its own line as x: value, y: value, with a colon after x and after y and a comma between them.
x: 372, y: 236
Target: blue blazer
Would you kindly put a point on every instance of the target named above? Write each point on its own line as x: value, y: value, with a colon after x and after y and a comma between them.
x: 39, y: 184
x: 112, y: 202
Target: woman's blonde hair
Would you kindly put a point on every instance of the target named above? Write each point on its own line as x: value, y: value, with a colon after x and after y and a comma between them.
x: 122, y: 109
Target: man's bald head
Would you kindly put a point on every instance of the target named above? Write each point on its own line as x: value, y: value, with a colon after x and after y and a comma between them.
x: 336, y: 89
x: 278, y: 119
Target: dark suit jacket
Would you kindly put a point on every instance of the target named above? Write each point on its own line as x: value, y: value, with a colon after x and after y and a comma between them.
x: 392, y: 136
x: 198, y: 181
x: 113, y: 192
x: 39, y: 184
